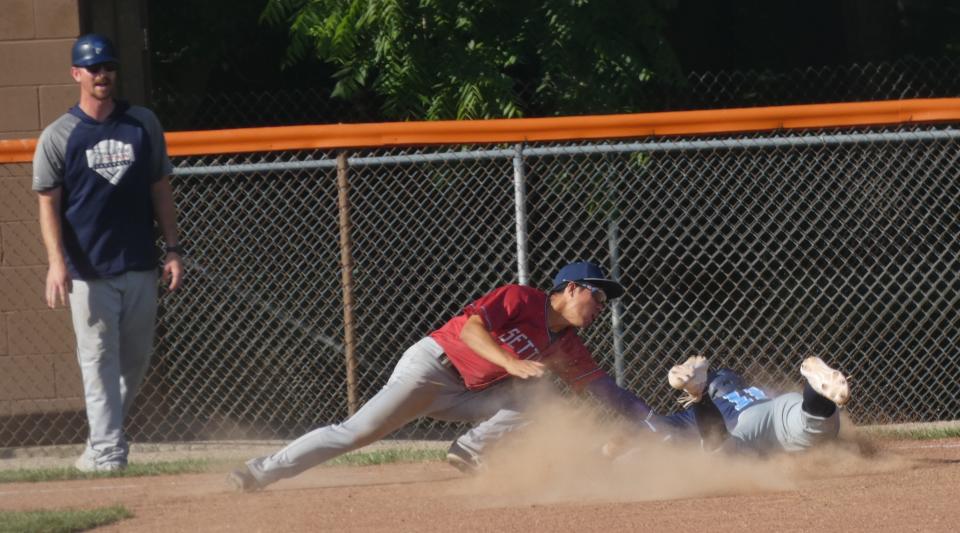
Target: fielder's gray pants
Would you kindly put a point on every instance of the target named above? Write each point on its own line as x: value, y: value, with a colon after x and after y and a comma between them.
x: 782, y: 424
x: 114, y: 321
x: 420, y: 385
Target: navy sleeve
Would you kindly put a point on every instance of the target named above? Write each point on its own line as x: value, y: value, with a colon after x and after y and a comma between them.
x: 638, y: 413
x: 622, y: 401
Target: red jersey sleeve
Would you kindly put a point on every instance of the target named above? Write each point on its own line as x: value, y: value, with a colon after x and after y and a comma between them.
x: 499, y: 306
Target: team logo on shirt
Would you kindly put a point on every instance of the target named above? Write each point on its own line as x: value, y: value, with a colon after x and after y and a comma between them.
x: 520, y: 343
x: 111, y: 159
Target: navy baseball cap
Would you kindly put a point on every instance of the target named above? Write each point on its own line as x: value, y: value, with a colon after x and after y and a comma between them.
x: 92, y: 49
x: 589, y: 274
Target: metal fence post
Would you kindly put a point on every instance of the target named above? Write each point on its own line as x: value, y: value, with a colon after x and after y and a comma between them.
x: 616, y: 309
x: 613, y: 241
x: 346, y: 265
x: 520, y: 194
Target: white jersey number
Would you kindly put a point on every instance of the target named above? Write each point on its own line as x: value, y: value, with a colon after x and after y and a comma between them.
x: 742, y: 401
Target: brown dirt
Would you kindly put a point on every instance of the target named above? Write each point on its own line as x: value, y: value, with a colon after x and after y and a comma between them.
x: 553, y: 480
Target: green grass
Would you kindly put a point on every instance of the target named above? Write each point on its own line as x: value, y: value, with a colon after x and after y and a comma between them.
x: 187, y: 466
x: 60, y: 521
x: 381, y: 457
x: 918, y: 433
x: 196, y: 466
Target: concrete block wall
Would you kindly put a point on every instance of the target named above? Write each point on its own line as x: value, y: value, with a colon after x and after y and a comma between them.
x: 35, y: 82
x: 38, y: 370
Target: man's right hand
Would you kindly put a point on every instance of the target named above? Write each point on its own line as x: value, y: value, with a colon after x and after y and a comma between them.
x: 58, y: 284
x: 476, y: 336
x: 524, y: 369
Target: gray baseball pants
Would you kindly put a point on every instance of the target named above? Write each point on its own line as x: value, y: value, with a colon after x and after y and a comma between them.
x: 423, y: 383
x: 114, y: 322
x: 782, y: 424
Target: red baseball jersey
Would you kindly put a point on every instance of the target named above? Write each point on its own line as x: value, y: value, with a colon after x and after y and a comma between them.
x: 516, y: 316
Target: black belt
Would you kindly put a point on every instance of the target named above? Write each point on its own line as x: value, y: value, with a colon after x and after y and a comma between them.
x: 444, y: 361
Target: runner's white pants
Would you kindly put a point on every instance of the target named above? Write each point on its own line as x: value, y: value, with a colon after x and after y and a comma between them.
x: 782, y: 424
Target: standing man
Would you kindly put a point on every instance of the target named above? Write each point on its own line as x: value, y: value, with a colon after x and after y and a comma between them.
x: 101, y: 171
x: 478, y: 367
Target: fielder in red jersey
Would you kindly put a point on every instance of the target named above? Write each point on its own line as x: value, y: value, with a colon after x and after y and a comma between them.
x: 475, y: 368
x: 516, y: 317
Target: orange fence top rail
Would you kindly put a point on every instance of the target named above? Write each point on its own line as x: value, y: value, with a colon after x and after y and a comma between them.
x: 383, y: 134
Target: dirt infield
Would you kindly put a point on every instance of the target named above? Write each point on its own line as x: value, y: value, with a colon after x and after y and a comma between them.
x: 894, y: 486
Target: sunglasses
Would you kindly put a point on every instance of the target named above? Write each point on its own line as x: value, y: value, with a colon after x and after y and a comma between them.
x: 95, y: 69
x: 598, y: 294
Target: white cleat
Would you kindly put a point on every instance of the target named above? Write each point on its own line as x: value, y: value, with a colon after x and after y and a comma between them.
x: 691, y: 378
x: 87, y: 465
x: 827, y: 382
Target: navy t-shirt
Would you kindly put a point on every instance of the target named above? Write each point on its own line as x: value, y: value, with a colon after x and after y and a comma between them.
x: 106, y: 171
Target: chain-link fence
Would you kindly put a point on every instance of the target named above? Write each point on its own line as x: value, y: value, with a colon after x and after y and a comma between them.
x: 752, y: 249
x: 904, y: 78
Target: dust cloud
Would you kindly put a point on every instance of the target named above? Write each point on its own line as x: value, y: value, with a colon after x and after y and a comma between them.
x: 558, y: 459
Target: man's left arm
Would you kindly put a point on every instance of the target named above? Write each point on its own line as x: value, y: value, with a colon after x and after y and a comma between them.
x: 166, y: 214
x: 621, y: 401
x: 686, y: 426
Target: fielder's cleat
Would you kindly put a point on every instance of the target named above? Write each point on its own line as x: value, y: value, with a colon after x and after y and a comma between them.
x: 243, y: 481
x: 827, y: 382
x: 86, y: 464
x: 463, y: 459
x: 690, y: 377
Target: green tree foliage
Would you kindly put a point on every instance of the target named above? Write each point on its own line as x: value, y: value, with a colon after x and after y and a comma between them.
x: 221, y: 46
x: 444, y: 59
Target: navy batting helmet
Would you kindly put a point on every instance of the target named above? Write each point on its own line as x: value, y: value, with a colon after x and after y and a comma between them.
x: 589, y: 274
x: 92, y: 49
